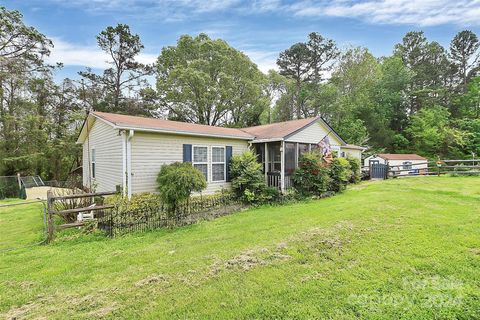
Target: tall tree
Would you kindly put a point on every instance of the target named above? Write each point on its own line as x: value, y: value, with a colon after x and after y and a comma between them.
x: 429, y: 62
x: 464, y: 55
x: 275, y: 87
x: 206, y: 81
x: 18, y: 40
x: 322, y: 55
x: 125, y: 73
x: 294, y: 63
x: 306, y: 64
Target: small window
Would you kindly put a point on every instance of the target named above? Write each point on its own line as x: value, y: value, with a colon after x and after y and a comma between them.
x: 407, y: 165
x: 200, y: 159
x: 93, y: 157
x: 218, y: 163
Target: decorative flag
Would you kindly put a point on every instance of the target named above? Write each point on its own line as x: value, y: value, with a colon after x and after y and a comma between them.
x: 326, y: 149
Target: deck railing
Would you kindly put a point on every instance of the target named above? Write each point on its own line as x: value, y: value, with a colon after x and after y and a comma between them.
x: 274, y: 179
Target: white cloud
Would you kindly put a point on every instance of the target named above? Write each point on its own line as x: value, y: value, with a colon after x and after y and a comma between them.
x: 422, y: 13
x: 414, y: 12
x: 171, y: 10
x: 86, y: 55
x: 265, y: 60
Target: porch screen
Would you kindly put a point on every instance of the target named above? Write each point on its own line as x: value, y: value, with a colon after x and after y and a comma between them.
x: 260, y: 152
x: 302, y: 148
x: 289, y: 157
x: 274, y: 157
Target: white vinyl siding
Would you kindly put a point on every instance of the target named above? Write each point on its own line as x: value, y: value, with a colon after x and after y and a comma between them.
x: 107, y: 156
x: 151, y: 150
x: 314, y: 133
x: 352, y: 153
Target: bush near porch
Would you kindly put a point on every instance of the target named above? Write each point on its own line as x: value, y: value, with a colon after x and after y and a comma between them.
x: 315, y: 177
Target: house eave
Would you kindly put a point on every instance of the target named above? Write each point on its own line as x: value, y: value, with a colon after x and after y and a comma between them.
x: 181, y: 132
x: 267, y: 140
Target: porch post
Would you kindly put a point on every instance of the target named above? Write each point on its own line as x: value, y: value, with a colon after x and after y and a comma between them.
x: 297, y: 154
x: 266, y: 162
x: 282, y: 167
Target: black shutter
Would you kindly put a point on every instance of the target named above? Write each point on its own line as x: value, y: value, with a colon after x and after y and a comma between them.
x: 187, y: 153
x: 228, y: 157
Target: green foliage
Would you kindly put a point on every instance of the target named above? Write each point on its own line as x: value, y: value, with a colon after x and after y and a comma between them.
x: 177, y: 181
x: 202, y: 79
x: 138, y: 202
x: 122, y: 47
x: 355, y: 167
x: 430, y: 133
x: 305, y: 63
x: 248, y: 181
x: 311, y: 177
x: 340, y: 173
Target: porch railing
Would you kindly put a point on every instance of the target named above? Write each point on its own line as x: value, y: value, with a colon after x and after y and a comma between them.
x: 274, y: 179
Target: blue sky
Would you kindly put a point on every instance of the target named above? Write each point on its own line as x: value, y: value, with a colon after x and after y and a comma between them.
x: 260, y: 28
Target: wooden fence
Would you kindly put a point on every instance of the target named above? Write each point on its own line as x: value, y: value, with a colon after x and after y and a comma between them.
x: 430, y: 168
x: 70, y: 207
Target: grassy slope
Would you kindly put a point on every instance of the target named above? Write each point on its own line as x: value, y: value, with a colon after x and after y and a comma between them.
x: 400, y: 248
x: 20, y: 225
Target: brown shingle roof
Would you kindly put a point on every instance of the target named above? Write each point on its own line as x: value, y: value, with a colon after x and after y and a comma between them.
x: 401, y: 156
x: 278, y: 130
x: 123, y: 121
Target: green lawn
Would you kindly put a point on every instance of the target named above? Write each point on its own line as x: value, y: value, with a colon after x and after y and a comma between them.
x: 20, y: 225
x: 395, y: 249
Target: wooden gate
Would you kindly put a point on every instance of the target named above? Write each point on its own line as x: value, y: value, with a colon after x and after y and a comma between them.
x: 378, y: 171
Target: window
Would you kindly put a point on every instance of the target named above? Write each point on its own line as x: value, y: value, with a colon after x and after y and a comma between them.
x: 218, y: 163
x: 407, y: 165
x: 200, y: 159
x: 93, y: 161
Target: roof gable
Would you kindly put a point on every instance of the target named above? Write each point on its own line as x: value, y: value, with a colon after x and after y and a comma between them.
x: 286, y: 129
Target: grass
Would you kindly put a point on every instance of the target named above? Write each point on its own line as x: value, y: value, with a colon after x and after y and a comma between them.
x: 20, y: 225
x: 400, y: 249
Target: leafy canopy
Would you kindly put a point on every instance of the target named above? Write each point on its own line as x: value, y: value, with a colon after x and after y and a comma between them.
x: 206, y: 81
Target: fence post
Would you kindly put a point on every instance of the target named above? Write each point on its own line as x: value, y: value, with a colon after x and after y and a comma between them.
x: 19, y: 181
x: 110, y: 231
x: 50, y: 215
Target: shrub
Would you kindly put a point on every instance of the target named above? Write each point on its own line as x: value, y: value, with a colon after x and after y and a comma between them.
x: 248, y: 181
x: 177, y: 181
x: 356, y: 174
x: 340, y: 173
x: 138, y: 203
x: 311, y: 176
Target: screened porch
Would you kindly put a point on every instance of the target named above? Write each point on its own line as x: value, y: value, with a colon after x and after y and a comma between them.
x: 280, y: 161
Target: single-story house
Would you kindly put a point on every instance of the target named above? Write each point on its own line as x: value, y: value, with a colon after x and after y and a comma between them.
x: 399, y: 163
x: 121, y: 151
